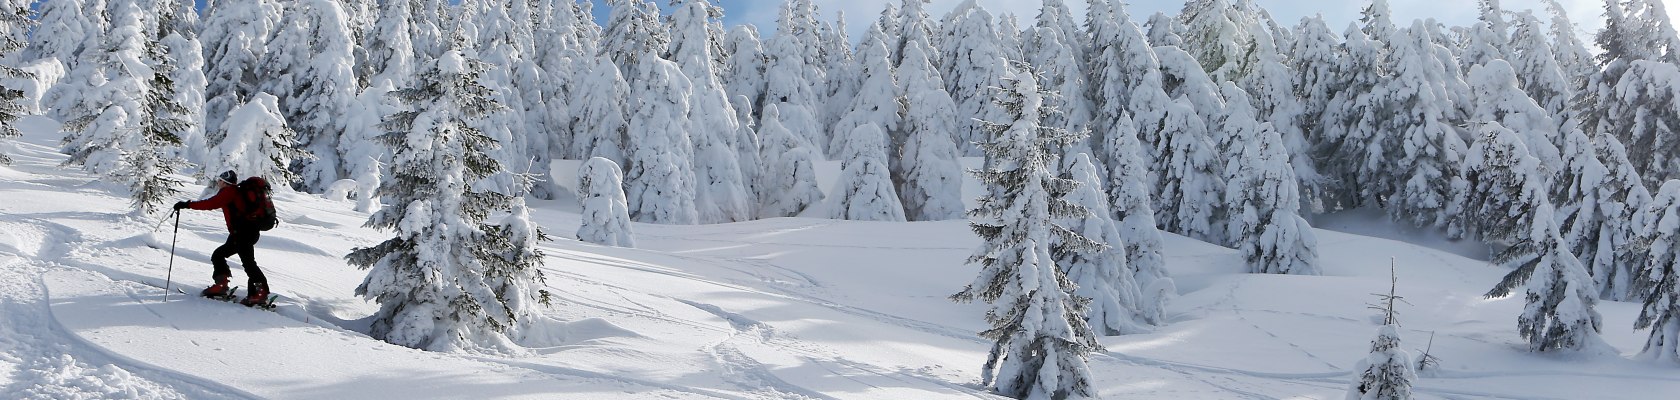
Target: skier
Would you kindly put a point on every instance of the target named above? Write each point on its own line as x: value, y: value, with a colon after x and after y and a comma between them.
x: 242, y: 239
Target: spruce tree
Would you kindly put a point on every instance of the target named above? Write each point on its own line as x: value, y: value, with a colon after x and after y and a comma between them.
x: 1560, y: 294
x: 257, y: 142
x: 1129, y: 199
x: 13, y: 21
x: 236, y: 37
x: 1609, y: 251
x: 606, y: 214
x: 62, y: 30
x: 659, y: 179
x: 1418, y: 149
x: 973, y: 60
x: 864, y: 190
x: 632, y: 31
x: 1350, y: 120
x: 788, y: 175
x: 720, y: 186
x: 877, y: 102
x: 1537, y: 67
x: 1101, y: 274
x: 1189, y: 183
x: 1263, y: 202
x: 1659, y: 283
x: 449, y: 280
x: 744, y: 66
x: 598, y: 112
x: 389, y: 46
x: 1315, y: 60
x: 1502, y: 188
x: 930, y: 177
x: 1500, y: 99
x: 1037, y: 325
x: 1386, y: 373
x: 309, y: 65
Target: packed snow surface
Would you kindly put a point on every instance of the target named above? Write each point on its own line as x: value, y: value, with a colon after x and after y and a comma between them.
x: 770, y: 309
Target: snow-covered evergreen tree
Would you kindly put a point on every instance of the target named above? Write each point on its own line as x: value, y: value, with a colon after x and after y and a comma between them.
x: 1560, y: 295
x: 929, y: 177
x: 1129, y: 198
x: 1350, y: 123
x: 1052, y: 57
x: 915, y: 26
x: 1502, y: 188
x: 1164, y: 30
x: 439, y: 282
x: 1604, y: 228
x: 1500, y: 99
x: 1263, y: 204
x: 14, y: 20
x: 844, y: 73
x: 659, y: 181
x: 864, y: 190
x: 1639, y: 111
x: 1040, y: 335
x: 257, y: 142
x: 598, y: 105
x: 606, y: 213
x: 1417, y: 154
x: 788, y: 84
x: 1182, y: 78
x: 1217, y: 37
x: 877, y: 102
x: 1122, y: 62
x: 62, y: 32
x: 236, y: 35
x: 1385, y: 374
x: 1537, y: 67
x: 389, y: 46
x: 1189, y: 178
x: 1270, y: 85
x: 309, y: 65
x: 973, y: 59
x: 1659, y: 276
x: 1572, y: 55
x: 1316, y: 60
x: 632, y: 31
x: 787, y: 176
x: 744, y: 75
x: 1102, y: 274
x: 720, y: 187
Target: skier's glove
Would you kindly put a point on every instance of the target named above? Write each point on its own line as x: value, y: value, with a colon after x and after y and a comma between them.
x: 180, y: 205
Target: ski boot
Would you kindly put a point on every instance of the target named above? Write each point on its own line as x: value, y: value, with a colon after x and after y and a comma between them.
x: 257, y: 296
x: 219, y: 291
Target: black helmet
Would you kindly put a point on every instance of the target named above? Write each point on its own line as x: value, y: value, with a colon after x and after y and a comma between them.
x: 228, y: 177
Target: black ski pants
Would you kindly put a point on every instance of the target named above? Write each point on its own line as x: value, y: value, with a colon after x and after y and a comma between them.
x: 243, y: 243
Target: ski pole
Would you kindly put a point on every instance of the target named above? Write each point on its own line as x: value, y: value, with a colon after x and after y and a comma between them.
x: 168, y: 276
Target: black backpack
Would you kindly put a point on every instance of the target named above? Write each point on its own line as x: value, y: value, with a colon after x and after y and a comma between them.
x: 254, y: 207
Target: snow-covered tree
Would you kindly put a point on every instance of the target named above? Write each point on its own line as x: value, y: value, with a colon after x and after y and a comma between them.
x: 236, y: 35
x: 787, y: 176
x: 598, y: 105
x: 1561, y: 296
x: 720, y: 187
x: 1129, y: 198
x: 1040, y: 335
x: 1385, y: 374
x: 660, y: 176
x: 877, y: 102
x: 1164, y: 30
x: 440, y: 282
x: 1603, y: 196
x: 1009, y: 36
x: 1217, y: 37
x: 1659, y: 283
x: 744, y: 73
x: 257, y: 142
x: 864, y: 190
x: 1263, y: 204
x: 63, y: 31
x: 389, y: 46
x: 606, y: 214
x: 14, y: 20
x: 1537, y: 67
x: 1316, y: 61
x: 309, y: 65
x: 929, y: 177
x: 1572, y: 55
x: 1270, y: 84
x: 1122, y: 63
x: 1639, y: 111
x: 1500, y: 99
x: 1416, y: 158
x: 632, y: 31
x: 844, y: 73
x: 1350, y: 123
x: 1101, y: 274
x: 1189, y: 182
x: 789, y: 84
x: 1502, y: 188
x: 1052, y: 57
x: 914, y: 27
x: 1182, y: 78
x: 972, y: 61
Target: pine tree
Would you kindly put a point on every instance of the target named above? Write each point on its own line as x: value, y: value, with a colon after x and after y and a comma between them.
x: 844, y: 73
x: 1350, y: 120
x: 598, y: 112
x: 744, y: 75
x: 1573, y: 58
x: 62, y: 32
x: 1102, y: 274
x: 720, y: 189
x: 1560, y: 298
x: 1604, y: 236
x: 236, y: 37
x: 1189, y: 186
x: 1217, y: 37
x: 1164, y: 30
x: 1182, y: 78
x: 1122, y: 63
x: 310, y: 69
x: 1386, y: 373
x: 257, y: 142
x: 915, y: 27
x: 788, y: 81
x: 633, y: 31
x: 1316, y: 60
x: 788, y: 175
x: 1129, y: 199
x: 1270, y: 84
x: 1041, y: 338
x: 188, y: 83
x: 660, y: 181
x: 1659, y: 283
x: 973, y: 59
x: 448, y: 280
x: 389, y: 46
x: 1263, y: 202
x: 877, y: 102
x: 1416, y: 159
x: 1537, y: 67
x: 1500, y: 99
x: 930, y: 177
x: 864, y: 190
x: 1502, y: 188
x: 13, y: 21
x: 606, y: 214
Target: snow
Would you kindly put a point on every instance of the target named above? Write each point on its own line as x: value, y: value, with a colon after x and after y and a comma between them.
x: 776, y: 308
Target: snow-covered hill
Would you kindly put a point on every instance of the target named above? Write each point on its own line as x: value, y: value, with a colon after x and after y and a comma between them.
x: 773, y: 309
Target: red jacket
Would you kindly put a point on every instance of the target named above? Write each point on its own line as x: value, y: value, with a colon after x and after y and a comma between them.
x: 224, y: 199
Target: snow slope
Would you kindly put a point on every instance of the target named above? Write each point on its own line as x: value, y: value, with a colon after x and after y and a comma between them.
x: 770, y: 309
